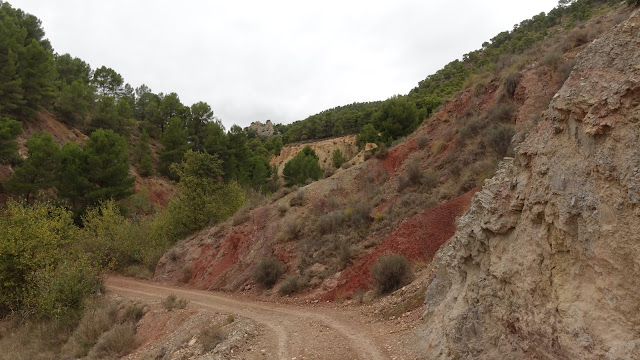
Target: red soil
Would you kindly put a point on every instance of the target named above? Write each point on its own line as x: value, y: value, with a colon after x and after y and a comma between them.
x: 214, y: 261
x: 398, y: 155
x: 418, y: 238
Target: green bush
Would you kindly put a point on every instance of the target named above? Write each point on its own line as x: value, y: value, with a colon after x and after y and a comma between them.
x: 391, y: 272
x: 268, y: 271
x: 42, y: 270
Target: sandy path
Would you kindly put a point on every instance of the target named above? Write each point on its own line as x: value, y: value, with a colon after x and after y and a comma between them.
x: 291, y: 331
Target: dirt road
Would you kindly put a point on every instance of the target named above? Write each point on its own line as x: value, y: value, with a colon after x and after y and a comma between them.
x: 291, y: 331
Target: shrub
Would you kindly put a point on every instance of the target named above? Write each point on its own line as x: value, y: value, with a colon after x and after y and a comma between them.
x: 187, y: 273
x: 241, y: 216
x: 329, y: 223
x: 281, y: 193
x: 499, y: 138
x: 437, y: 146
x: 414, y: 172
x: 338, y: 158
x: 173, y: 302
x: 501, y: 113
x: 382, y: 152
x: 50, y: 276
x: 282, y: 209
x: 402, y: 183
x: 552, y: 59
x: 297, y: 199
x: 511, y: 83
x: 346, y: 165
x: 211, y: 336
x: 290, y: 285
x: 344, y: 254
x: 116, y: 342
x: 565, y: 70
x: 291, y: 230
x: 268, y: 271
x: 429, y: 179
x: 138, y: 272
x: 329, y: 172
x: 422, y: 141
x: 95, y: 322
x: 391, y: 272
x: 133, y: 313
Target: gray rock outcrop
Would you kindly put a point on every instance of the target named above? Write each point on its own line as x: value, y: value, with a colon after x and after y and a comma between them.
x: 546, y: 263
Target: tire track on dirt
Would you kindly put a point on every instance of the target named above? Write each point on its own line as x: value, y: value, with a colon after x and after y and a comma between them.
x: 292, y: 330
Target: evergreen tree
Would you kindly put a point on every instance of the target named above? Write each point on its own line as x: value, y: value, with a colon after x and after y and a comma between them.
x: 9, y: 131
x: 201, y: 199
x: 72, y: 103
x: 170, y: 107
x: 112, y: 114
x: 108, y: 82
x: 38, y: 171
x: 71, y: 175
x: 107, y: 161
x: 368, y: 134
x: 11, y: 93
x: 146, y: 166
x: 337, y: 158
x: 200, y: 115
x: 142, y: 155
x: 395, y: 118
x: 303, y: 166
x: 174, y: 140
x: 38, y: 74
x: 72, y: 69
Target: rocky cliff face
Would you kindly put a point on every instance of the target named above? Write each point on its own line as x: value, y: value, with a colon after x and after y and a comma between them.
x: 261, y: 129
x: 323, y: 148
x: 546, y: 263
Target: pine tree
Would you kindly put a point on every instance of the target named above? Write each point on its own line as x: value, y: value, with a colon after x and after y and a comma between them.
x: 107, y: 169
x: 38, y: 172
x: 9, y: 131
x: 71, y: 174
x: 303, y: 166
x: 174, y: 140
x: 142, y: 156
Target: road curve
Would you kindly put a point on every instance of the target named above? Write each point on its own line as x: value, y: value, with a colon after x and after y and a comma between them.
x: 291, y: 331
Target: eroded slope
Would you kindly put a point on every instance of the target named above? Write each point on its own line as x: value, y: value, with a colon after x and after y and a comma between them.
x: 546, y: 263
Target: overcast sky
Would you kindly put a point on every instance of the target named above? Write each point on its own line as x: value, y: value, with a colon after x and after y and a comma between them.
x: 278, y: 60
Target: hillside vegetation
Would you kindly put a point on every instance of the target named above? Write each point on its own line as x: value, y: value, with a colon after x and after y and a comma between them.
x: 434, y: 149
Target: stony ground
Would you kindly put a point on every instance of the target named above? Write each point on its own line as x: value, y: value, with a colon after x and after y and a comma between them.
x: 255, y: 329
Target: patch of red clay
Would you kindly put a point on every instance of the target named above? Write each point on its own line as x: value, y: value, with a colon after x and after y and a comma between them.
x: 215, y: 261
x: 398, y: 155
x: 418, y: 238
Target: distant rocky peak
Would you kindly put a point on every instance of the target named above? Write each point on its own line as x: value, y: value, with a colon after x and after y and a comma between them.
x: 261, y: 129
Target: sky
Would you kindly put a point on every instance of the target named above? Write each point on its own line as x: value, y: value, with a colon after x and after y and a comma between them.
x: 278, y: 60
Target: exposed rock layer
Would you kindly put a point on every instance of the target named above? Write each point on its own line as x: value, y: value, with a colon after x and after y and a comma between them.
x: 546, y: 263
